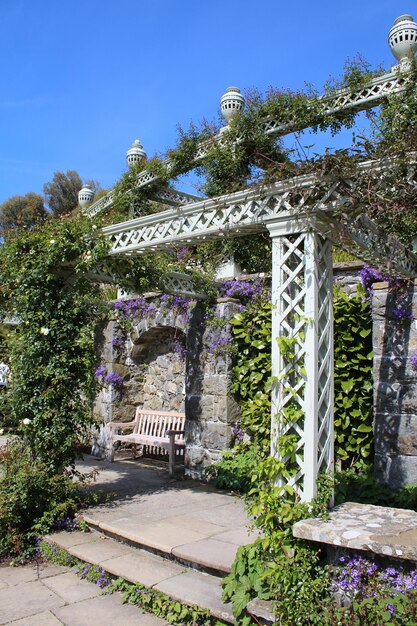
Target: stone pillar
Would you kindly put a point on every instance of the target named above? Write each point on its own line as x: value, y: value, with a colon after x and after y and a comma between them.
x: 302, y: 352
x: 395, y: 386
x: 209, y: 406
x: 103, y: 408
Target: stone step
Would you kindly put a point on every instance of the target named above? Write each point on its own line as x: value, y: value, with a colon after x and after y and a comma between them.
x: 136, y: 565
x: 194, y: 543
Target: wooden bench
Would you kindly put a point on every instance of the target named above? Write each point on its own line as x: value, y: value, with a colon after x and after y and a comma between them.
x: 156, y: 429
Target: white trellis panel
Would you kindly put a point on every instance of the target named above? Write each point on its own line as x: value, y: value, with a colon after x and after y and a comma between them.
x: 303, y: 383
x: 169, y: 196
x: 180, y: 284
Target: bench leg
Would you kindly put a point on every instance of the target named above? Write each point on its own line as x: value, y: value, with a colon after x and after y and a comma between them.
x: 171, y: 453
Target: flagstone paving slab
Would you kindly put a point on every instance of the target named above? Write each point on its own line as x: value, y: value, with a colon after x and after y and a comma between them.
x: 239, y: 536
x: 46, y: 618
x: 200, y: 589
x: 197, y: 525
x: 25, y: 600
x: 98, y: 551
x: 74, y: 538
x: 143, y: 568
x: 16, y: 575
x: 71, y: 588
x: 106, y: 610
x: 230, y: 515
x: 213, y: 554
x: 161, y: 535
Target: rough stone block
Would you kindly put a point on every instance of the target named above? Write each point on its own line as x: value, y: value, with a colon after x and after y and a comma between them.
x: 396, y: 471
x: 394, y: 338
x: 215, y: 385
x: 393, y: 367
x: 215, y: 436
x: 395, y: 397
x: 396, y: 434
x: 194, y: 456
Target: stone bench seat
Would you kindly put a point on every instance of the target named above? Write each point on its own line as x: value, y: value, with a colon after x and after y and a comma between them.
x: 379, y: 530
x: 160, y: 430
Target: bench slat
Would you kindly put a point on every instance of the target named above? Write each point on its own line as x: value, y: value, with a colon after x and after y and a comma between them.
x: 150, y: 429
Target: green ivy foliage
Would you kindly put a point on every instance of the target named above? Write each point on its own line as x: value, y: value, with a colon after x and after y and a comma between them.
x: 44, y: 281
x: 252, y: 372
x: 277, y: 566
x: 353, y: 380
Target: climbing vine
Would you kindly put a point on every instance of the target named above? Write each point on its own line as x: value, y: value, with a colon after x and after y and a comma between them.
x: 48, y: 282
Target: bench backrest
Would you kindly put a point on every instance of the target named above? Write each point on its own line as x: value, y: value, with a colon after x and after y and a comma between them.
x: 156, y: 423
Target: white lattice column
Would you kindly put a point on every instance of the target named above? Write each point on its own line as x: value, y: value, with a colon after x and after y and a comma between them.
x: 302, y: 355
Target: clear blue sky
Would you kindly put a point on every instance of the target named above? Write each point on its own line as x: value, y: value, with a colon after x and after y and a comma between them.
x: 80, y: 80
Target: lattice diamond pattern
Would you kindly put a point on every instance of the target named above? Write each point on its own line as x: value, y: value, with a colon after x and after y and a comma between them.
x: 302, y: 309
x: 181, y: 285
x: 364, y: 98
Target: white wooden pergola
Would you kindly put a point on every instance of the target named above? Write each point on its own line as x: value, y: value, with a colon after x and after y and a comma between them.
x: 303, y: 222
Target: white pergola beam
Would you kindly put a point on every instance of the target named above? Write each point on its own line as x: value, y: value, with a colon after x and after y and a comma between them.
x: 370, y: 95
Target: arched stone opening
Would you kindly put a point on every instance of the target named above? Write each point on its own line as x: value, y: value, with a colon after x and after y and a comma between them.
x: 157, y: 367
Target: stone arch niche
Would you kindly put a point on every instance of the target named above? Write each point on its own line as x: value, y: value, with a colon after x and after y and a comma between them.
x: 157, y: 362
x: 167, y: 363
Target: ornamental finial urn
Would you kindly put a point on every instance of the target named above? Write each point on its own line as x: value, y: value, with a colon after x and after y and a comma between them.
x: 402, y: 39
x: 232, y: 102
x: 135, y: 153
x: 85, y: 196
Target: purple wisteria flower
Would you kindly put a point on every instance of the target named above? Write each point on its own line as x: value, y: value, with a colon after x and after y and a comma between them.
x: 118, y: 343
x: 182, y: 253
x: 100, y: 371
x: 238, y: 433
x: 362, y: 579
x: 369, y: 276
x: 221, y: 345
x: 111, y: 378
x: 179, y: 349
x: 413, y: 361
x: 140, y: 307
x: 241, y: 288
x: 402, y: 312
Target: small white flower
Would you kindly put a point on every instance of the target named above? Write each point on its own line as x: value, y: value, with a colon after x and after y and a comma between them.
x: 26, y: 421
x: 94, y: 226
x: 87, y: 255
x: 45, y: 331
x: 52, y: 241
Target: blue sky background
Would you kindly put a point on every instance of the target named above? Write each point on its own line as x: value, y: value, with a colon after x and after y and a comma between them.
x: 80, y: 80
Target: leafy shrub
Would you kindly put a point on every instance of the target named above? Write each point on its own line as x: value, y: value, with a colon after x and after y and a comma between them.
x: 235, y: 469
x: 32, y: 499
x: 363, y: 487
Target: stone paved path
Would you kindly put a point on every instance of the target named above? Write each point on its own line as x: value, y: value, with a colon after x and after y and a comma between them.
x: 51, y: 595
x: 179, y: 519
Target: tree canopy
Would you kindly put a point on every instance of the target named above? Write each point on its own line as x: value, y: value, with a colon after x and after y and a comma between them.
x: 62, y: 192
x: 22, y: 212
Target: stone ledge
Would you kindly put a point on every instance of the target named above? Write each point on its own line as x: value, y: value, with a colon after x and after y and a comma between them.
x: 382, y: 530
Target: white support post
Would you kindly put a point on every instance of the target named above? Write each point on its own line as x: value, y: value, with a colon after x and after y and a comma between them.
x: 302, y: 353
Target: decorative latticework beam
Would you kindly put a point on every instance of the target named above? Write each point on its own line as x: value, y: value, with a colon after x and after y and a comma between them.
x: 370, y: 95
x: 302, y: 198
x: 169, y: 196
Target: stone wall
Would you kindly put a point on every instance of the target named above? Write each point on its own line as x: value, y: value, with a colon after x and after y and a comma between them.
x: 159, y: 375
x: 168, y: 363
x: 395, y: 388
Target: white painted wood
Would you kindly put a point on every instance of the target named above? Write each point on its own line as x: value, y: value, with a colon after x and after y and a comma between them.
x: 151, y: 429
